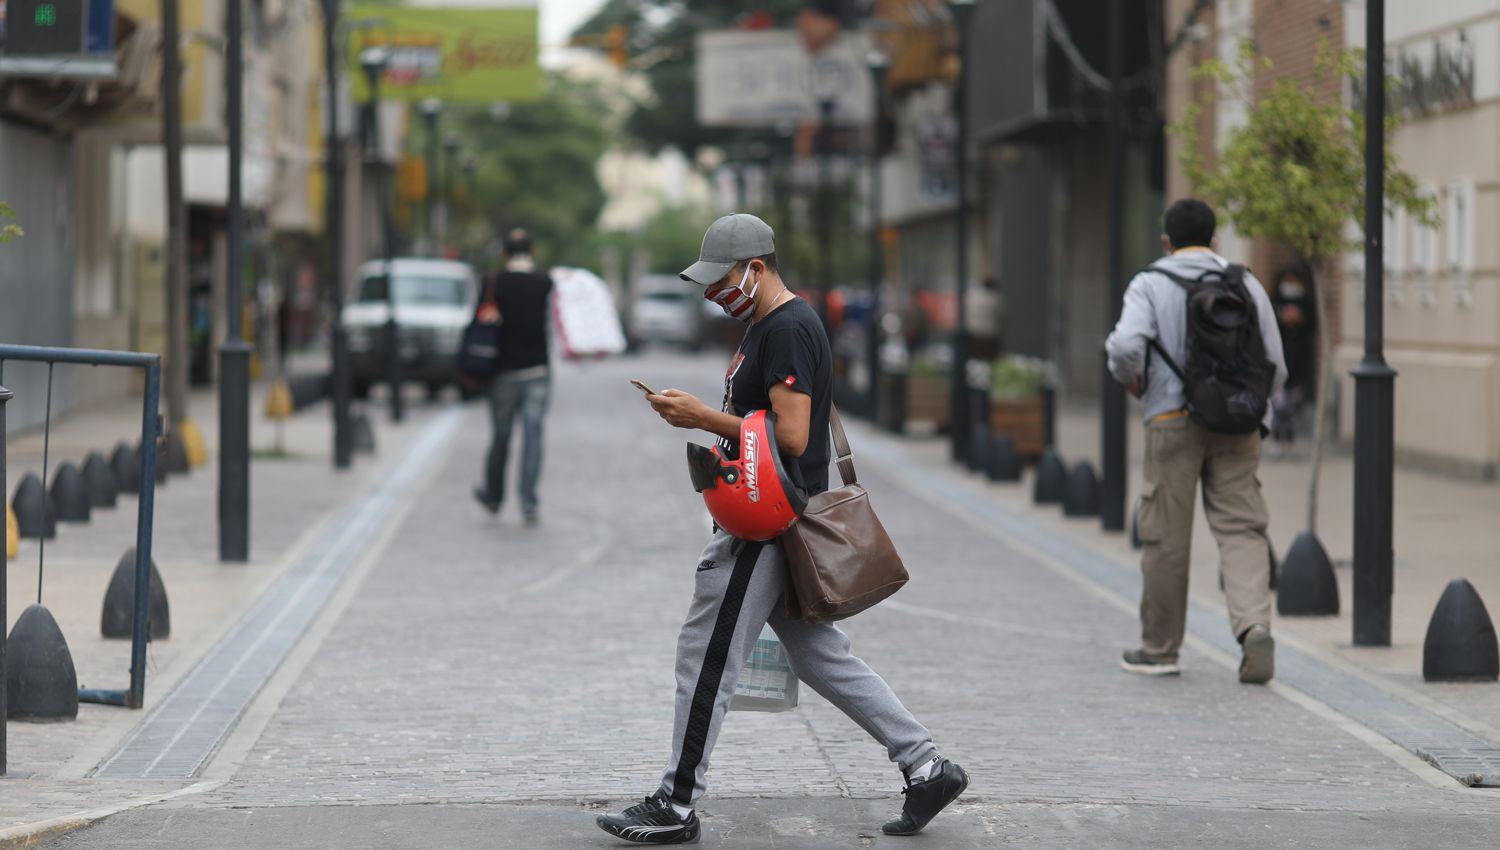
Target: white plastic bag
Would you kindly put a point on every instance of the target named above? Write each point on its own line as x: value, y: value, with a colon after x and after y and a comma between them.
x: 584, y: 315
x: 767, y: 682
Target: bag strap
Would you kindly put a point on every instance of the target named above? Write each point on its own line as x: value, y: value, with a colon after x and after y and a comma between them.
x: 841, y: 447
x: 1171, y: 364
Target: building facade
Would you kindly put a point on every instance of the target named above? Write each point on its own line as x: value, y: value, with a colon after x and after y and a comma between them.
x: 1442, y: 283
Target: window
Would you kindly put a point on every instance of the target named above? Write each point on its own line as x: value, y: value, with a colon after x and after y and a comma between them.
x: 441, y: 291
x: 1458, y: 226
x: 1393, y: 250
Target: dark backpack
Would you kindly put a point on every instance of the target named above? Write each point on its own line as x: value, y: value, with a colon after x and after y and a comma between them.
x: 1227, y: 377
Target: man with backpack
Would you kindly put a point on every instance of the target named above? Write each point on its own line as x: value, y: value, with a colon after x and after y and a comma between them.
x: 1197, y: 342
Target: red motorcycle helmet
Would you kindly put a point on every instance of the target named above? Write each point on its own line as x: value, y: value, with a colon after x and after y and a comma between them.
x: 751, y: 498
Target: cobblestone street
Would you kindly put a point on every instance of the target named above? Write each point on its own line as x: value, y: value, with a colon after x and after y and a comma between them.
x: 515, y: 680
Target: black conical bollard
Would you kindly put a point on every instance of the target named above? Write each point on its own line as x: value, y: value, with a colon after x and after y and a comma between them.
x: 125, y: 464
x: 1081, y: 498
x: 362, y: 438
x: 119, y: 602
x: 69, y: 497
x: 1051, y: 479
x: 1460, y: 644
x: 1003, y: 464
x: 979, y: 449
x: 99, y: 481
x: 1305, y: 584
x: 34, y: 513
x: 177, y: 454
x: 40, y: 681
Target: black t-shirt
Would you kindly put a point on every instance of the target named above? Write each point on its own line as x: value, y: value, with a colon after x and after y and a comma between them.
x: 522, y: 298
x: 787, y: 347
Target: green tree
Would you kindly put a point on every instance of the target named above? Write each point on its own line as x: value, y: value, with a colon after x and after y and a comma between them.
x: 1293, y: 173
x: 8, y: 230
x: 533, y: 168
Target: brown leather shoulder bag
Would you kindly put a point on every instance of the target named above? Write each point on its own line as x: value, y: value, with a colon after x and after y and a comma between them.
x: 840, y: 559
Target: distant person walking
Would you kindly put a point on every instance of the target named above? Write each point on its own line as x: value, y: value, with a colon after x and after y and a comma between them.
x: 1297, y: 316
x: 1229, y: 368
x: 523, y: 381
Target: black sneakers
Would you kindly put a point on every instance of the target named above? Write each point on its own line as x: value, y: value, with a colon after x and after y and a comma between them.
x: 926, y: 797
x: 1138, y: 661
x: 652, y: 821
x: 482, y: 496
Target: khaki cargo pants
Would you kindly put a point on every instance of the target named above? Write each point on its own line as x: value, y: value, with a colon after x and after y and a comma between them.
x: 1179, y: 454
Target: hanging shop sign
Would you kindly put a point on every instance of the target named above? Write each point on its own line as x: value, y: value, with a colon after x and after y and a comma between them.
x: 459, y: 54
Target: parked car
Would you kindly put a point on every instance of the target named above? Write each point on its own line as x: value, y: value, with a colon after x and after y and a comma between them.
x: 435, y: 299
x: 664, y: 309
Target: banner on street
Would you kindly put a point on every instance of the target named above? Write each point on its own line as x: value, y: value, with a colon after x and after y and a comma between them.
x: 461, y: 54
x: 764, y: 78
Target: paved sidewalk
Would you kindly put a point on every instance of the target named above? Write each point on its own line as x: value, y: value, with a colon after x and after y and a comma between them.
x: 289, y: 497
x: 1445, y: 528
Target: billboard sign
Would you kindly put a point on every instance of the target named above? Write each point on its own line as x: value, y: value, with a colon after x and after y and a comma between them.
x: 767, y: 78
x: 461, y: 54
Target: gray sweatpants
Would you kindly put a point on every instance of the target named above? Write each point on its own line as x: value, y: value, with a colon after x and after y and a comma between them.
x: 738, y: 590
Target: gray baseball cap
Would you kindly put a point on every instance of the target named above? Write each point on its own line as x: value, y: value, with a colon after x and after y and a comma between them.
x: 730, y: 239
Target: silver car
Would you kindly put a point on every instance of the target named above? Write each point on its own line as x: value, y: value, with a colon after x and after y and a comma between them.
x: 664, y: 309
x: 435, y: 299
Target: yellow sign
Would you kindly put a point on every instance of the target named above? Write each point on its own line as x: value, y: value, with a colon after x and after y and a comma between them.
x: 12, y: 532
x: 460, y: 55
x: 411, y: 178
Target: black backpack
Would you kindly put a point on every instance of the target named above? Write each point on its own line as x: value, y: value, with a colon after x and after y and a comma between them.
x: 1227, y: 377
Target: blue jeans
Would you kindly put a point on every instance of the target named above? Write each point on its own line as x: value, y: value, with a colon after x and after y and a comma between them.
x: 527, y: 396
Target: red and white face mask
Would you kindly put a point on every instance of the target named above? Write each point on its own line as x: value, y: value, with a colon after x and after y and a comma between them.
x: 735, y: 302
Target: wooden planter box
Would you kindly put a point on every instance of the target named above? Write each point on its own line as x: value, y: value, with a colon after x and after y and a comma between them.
x: 1024, y: 420
x: 927, y: 399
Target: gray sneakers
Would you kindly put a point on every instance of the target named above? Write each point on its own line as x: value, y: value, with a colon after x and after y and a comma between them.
x: 1259, y: 662
x: 1139, y: 661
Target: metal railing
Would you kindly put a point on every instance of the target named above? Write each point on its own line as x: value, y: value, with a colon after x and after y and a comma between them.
x: 134, y: 695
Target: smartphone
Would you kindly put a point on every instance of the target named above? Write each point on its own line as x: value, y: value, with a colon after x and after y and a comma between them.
x: 643, y: 388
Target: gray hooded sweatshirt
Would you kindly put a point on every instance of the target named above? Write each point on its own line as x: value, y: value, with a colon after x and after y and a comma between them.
x: 1156, y: 307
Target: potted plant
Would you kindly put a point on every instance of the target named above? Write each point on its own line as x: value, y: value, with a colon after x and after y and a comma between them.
x: 927, y: 390
x: 1016, y: 406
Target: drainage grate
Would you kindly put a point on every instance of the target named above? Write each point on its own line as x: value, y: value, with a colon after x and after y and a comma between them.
x: 1449, y: 747
x: 187, y: 726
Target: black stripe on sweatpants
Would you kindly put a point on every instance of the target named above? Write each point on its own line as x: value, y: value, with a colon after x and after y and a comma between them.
x: 711, y: 675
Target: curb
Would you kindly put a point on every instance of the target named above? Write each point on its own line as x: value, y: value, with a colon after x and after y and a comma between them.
x: 31, y: 834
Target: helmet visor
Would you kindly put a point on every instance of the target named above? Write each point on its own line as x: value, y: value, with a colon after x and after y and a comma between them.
x: 703, y: 467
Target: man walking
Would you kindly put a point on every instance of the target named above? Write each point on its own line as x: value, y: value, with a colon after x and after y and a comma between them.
x: 783, y: 365
x: 522, y: 383
x: 1186, y: 445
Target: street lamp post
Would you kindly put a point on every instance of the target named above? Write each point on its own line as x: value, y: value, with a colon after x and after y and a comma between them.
x: 234, y: 355
x: 470, y: 167
x: 373, y: 61
x: 339, y: 336
x: 450, y: 151
x: 963, y: 15
x: 880, y: 65
x: 825, y: 204
x: 1112, y: 394
x: 431, y: 109
x: 1374, y: 379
